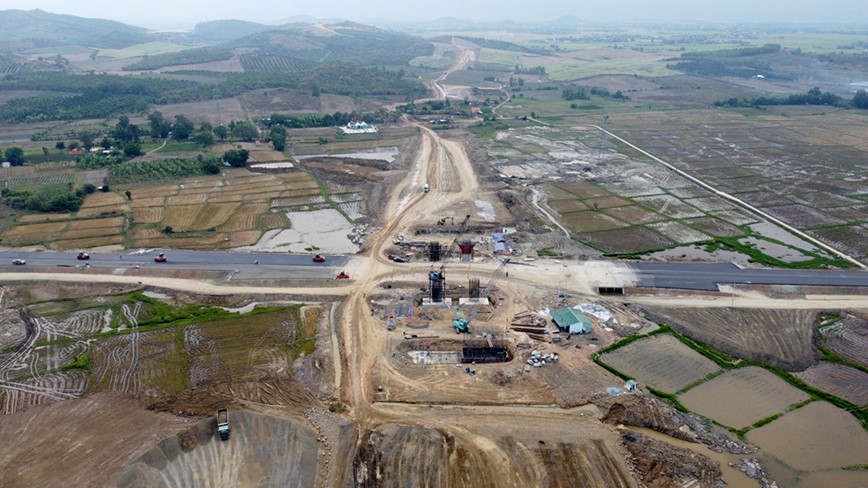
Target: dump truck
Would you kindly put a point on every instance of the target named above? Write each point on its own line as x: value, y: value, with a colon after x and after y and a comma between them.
x: 223, y: 424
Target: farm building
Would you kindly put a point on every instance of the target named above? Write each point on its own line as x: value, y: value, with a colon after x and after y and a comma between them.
x: 571, y: 320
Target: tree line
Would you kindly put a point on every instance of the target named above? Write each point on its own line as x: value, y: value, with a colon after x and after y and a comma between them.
x: 814, y: 96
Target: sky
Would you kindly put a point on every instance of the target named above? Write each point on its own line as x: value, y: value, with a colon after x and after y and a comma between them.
x: 184, y: 14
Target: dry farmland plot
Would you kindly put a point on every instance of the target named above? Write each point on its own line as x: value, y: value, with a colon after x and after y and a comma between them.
x: 671, y: 206
x: 679, y: 232
x: 148, y: 215
x: 181, y: 217
x: 741, y: 397
x: 148, y: 202
x: 590, y: 221
x: 564, y: 206
x: 782, y: 338
x: 92, y: 223
x: 848, y: 340
x: 144, y: 364
x: 634, y: 214
x: 814, y: 437
x: 34, y: 218
x: 187, y: 199
x: 661, y: 361
x: 214, y: 215
x: 583, y: 189
x: 42, y: 230
x: 93, y: 232
x: 154, y: 191
x: 839, y: 380
x: 85, y: 212
x: 79, y: 243
x: 244, y: 217
x: 102, y: 199
x: 629, y: 240
x: 714, y: 227
x: 244, y: 238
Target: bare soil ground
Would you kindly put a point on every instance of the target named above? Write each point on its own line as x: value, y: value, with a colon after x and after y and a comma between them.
x: 71, y: 437
x: 782, y: 338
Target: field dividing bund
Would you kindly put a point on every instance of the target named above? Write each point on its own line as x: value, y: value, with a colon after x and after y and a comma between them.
x: 662, y: 362
x: 814, y: 437
x: 741, y: 397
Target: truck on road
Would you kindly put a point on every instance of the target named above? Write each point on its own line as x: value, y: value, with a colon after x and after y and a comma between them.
x: 223, y: 424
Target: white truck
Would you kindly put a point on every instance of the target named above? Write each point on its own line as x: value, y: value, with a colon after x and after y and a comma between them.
x: 426, y: 188
x: 223, y: 424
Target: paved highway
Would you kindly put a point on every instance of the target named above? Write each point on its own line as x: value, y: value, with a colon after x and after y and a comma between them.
x: 270, y: 265
x: 706, y: 276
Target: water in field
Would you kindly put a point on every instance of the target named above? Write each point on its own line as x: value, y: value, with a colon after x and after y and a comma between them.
x: 386, y: 154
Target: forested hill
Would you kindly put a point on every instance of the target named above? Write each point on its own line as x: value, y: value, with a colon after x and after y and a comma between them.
x: 344, y: 44
x: 29, y: 29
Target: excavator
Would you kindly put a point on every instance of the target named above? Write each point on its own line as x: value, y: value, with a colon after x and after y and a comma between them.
x: 461, y: 323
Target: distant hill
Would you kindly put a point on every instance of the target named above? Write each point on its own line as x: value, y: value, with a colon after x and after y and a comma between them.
x: 222, y: 31
x: 302, y: 45
x: 29, y: 29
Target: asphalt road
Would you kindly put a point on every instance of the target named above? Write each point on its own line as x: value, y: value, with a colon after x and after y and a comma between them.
x: 238, y: 266
x: 706, y: 276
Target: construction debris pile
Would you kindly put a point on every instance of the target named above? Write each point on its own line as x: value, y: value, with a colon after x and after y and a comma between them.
x: 538, y: 359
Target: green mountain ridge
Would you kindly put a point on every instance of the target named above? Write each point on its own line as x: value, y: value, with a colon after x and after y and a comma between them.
x: 30, y: 29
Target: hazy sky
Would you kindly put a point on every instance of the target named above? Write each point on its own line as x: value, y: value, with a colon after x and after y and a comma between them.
x: 175, y: 14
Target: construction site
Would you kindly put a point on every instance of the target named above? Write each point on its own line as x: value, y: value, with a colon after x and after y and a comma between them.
x: 444, y: 354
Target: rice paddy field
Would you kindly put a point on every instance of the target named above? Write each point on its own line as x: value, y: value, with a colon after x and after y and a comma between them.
x: 229, y: 210
x: 738, y: 398
x: 661, y: 362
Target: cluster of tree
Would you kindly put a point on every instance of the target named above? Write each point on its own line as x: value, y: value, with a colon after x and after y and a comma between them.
x: 579, y: 93
x: 299, y: 121
x: 532, y: 70
x: 14, y: 155
x: 516, y: 82
x: 278, y: 136
x: 74, y: 97
x: 736, y: 53
x: 98, y: 160
x: 237, y: 158
x: 813, y: 97
x: 188, y: 56
x: 603, y: 92
x: 163, y: 169
x: 718, y: 68
x: 46, y: 199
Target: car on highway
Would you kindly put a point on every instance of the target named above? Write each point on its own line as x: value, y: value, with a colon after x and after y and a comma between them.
x: 161, y: 258
x: 19, y: 261
x: 83, y: 255
x: 318, y: 258
x: 398, y: 259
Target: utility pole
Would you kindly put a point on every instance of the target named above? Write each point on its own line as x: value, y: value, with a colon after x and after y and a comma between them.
x: 602, y: 138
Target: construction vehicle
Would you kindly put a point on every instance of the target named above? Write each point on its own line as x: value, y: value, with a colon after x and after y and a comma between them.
x: 461, y: 323
x: 342, y: 276
x: 83, y: 256
x: 426, y: 188
x: 318, y: 258
x: 223, y: 424
x: 161, y: 258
